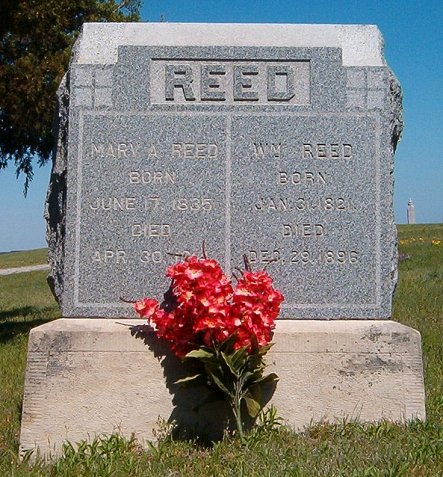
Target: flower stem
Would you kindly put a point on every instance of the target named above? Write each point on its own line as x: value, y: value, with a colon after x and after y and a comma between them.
x: 237, y: 414
x: 236, y: 408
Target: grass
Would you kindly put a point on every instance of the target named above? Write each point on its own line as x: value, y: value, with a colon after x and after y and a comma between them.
x: 20, y: 259
x: 419, y: 302
x: 25, y: 302
x: 344, y: 449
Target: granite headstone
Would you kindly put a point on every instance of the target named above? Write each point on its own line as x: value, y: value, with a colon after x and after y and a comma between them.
x: 275, y: 146
x: 272, y: 140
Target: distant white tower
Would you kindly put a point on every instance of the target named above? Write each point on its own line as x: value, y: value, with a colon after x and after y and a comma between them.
x: 411, y: 212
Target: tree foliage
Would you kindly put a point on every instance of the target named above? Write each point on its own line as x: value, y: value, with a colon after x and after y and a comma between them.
x: 36, y: 37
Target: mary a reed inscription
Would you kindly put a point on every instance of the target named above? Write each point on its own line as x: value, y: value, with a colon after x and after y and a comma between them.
x: 283, y: 152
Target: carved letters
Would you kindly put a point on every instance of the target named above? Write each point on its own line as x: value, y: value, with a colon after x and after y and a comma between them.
x: 214, y: 79
x: 285, y: 179
x: 230, y: 82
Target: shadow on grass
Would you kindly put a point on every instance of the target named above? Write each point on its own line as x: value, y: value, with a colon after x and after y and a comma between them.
x: 17, y: 312
x: 18, y: 323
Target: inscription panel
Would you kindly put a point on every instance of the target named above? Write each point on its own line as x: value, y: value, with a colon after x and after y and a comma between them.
x: 312, y: 179
x: 162, y: 192
x: 295, y: 192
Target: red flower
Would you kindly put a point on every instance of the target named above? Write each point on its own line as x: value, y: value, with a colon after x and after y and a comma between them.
x: 209, y: 310
x: 146, y: 308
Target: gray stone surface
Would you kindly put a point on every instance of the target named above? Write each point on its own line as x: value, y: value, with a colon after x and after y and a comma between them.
x: 90, y: 377
x: 361, y: 44
x: 278, y: 145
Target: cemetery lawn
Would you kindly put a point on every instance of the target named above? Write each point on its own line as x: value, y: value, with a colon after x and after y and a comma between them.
x: 21, y: 259
x: 344, y: 449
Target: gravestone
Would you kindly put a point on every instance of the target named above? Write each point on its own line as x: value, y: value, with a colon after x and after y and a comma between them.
x: 274, y: 141
x: 282, y: 152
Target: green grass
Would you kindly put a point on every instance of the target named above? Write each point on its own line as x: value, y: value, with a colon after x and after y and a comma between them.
x: 25, y: 302
x: 21, y: 259
x: 419, y: 302
x: 345, y: 449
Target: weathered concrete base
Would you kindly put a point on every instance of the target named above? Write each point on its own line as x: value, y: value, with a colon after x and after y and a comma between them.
x: 91, y: 376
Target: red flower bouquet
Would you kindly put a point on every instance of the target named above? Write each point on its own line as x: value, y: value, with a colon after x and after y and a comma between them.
x: 227, y: 329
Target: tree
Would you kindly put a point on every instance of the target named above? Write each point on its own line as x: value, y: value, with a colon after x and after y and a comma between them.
x: 36, y: 37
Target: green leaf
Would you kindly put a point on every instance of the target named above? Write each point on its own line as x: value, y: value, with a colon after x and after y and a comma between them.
x: 227, y: 345
x: 263, y: 389
x: 236, y: 361
x: 252, y: 377
x: 200, y: 354
x: 272, y: 377
x: 228, y: 361
x: 255, y: 362
x: 256, y: 392
x: 189, y: 379
x: 252, y: 406
x: 264, y: 349
x: 238, y: 357
x: 213, y: 366
x: 217, y: 381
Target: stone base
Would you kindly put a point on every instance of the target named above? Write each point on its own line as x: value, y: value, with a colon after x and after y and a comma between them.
x: 92, y: 376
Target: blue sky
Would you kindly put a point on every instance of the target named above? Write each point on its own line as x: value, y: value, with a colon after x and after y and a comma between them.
x: 413, y: 37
